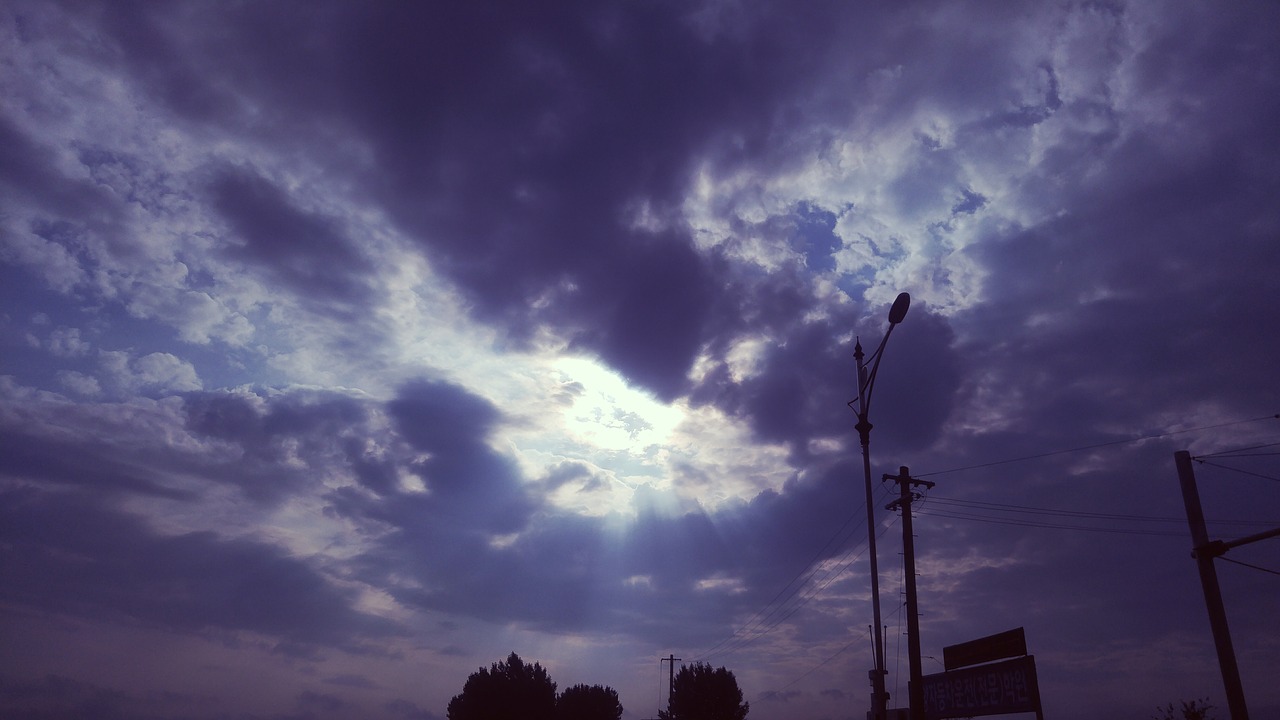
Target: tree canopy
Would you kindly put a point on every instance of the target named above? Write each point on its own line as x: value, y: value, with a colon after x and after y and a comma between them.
x: 507, y: 690
x: 703, y: 693
x: 515, y: 690
x: 1190, y: 710
x: 583, y: 702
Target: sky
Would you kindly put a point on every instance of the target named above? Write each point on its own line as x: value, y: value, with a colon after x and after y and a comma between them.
x: 348, y: 347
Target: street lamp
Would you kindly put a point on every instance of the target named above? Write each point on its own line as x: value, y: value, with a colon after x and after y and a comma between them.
x: 866, y: 383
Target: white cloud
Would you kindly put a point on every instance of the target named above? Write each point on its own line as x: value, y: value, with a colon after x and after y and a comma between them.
x: 50, y: 261
x: 157, y: 373
x: 79, y: 383
x: 66, y: 342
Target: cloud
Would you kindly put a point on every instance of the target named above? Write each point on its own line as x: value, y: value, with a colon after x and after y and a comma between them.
x: 159, y: 373
x: 504, y: 328
x: 56, y: 696
x: 306, y: 251
x: 71, y: 555
x: 32, y: 172
x: 79, y: 383
x: 466, y: 480
x: 67, y: 342
x: 404, y: 708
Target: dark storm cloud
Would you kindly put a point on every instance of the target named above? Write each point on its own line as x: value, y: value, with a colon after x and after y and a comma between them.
x: 540, y: 156
x: 270, y: 447
x: 645, y: 312
x: 563, y: 573
x: 306, y: 251
x: 321, y: 428
x: 55, y: 697
x: 467, y: 481
x: 27, y: 170
x: 82, y: 462
x: 67, y: 554
x: 570, y: 573
x: 472, y: 495
x: 1147, y: 276
x: 441, y: 417
x: 552, y: 576
x: 808, y: 374
x: 518, y: 145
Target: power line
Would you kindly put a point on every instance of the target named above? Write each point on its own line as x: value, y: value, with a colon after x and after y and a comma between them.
x: 767, y: 618
x: 846, y: 647
x: 781, y: 612
x: 758, y: 623
x: 739, y: 641
x: 1241, y: 562
x: 1099, y: 445
x: 808, y: 569
x: 747, y: 634
x: 1031, y: 510
x: 1232, y: 453
x: 1055, y: 526
x: 1242, y: 472
x: 810, y: 671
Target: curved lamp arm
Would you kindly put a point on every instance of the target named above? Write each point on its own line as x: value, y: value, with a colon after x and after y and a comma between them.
x: 867, y: 379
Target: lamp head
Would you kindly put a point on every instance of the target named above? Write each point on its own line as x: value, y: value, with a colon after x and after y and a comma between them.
x: 899, y: 308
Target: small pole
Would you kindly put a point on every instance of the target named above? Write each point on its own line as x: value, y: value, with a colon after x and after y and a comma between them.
x: 1202, y: 550
x: 671, y: 675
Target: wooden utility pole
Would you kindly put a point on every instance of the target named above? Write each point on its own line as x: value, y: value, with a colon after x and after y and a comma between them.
x: 915, y: 688
x: 671, y: 676
x: 1204, y: 552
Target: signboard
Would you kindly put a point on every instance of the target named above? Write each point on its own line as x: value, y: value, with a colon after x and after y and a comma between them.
x: 1004, y: 687
x: 1010, y: 643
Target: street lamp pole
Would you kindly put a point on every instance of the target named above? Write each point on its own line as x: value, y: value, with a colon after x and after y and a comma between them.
x: 867, y: 368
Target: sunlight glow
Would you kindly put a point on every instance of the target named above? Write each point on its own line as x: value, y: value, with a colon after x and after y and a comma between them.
x: 608, y: 413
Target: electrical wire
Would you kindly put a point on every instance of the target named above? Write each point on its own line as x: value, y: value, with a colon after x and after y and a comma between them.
x: 1055, y: 526
x: 740, y: 642
x: 1242, y: 472
x: 1255, y: 567
x: 760, y: 623
x: 807, y: 570
x: 741, y: 637
x: 781, y: 613
x: 805, y: 578
x: 1232, y: 453
x: 810, y: 671
x: 1099, y: 445
x: 1032, y: 510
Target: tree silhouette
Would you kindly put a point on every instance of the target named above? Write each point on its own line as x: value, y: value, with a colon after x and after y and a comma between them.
x: 582, y: 702
x: 510, y: 690
x: 1193, y: 710
x: 701, y: 693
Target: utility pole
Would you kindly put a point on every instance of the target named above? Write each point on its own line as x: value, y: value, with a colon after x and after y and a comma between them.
x: 915, y: 688
x: 671, y: 676
x: 1204, y: 552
